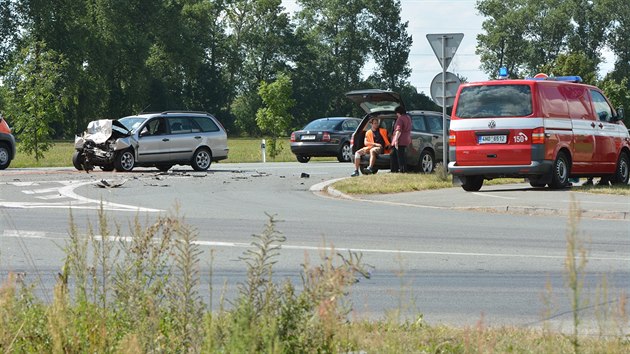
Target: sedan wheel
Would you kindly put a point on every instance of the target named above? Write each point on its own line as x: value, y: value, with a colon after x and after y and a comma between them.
x: 345, y: 155
x: 201, y: 160
x: 125, y: 161
x: 303, y: 159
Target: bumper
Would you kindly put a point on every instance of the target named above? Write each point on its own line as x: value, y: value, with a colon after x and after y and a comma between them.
x: 536, y: 168
x: 315, y: 149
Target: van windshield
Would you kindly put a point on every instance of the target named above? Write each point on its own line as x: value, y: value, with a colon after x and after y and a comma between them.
x: 488, y: 101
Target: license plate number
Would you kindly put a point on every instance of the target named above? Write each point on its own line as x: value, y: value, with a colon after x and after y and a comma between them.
x: 493, y: 139
x: 308, y: 137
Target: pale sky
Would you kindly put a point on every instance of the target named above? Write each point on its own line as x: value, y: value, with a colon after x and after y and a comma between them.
x: 442, y: 16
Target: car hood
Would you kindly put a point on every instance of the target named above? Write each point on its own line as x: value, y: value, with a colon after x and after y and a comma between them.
x: 101, y: 130
x: 375, y: 100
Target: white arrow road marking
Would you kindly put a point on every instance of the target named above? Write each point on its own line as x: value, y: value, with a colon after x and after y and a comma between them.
x: 76, y: 201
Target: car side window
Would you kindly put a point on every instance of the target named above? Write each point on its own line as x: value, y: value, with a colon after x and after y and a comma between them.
x: 179, y: 125
x: 206, y: 124
x: 435, y: 124
x: 602, y: 109
x: 350, y: 125
x: 155, y: 126
x: 417, y: 124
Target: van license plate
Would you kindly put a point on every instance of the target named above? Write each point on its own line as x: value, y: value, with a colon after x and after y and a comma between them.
x: 493, y: 139
x: 308, y: 137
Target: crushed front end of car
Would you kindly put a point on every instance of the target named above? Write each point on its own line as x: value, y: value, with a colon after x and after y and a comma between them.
x: 99, y: 144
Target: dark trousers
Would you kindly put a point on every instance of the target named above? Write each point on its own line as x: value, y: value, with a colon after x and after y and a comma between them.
x: 398, y: 159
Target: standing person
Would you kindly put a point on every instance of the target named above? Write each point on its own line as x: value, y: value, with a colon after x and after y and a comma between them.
x: 400, y: 141
x: 375, y: 143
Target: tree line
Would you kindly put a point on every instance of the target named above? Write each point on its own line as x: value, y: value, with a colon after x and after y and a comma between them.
x: 64, y: 63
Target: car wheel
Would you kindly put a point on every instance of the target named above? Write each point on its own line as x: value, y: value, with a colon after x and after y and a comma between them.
x: 536, y: 183
x: 622, y: 173
x: 560, y: 172
x: 303, y: 159
x: 107, y: 168
x: 164, y: 167
x: 4, y: 156
x: 202, y: 159
x: 472, y: 183
x: 427, y: 162
x: 124, y: 161
x: 345, y: 154
x: 365, y: 172
x: 77, y: 160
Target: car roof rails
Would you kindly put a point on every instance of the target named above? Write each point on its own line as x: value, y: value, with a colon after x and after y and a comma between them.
x: 182, y: 111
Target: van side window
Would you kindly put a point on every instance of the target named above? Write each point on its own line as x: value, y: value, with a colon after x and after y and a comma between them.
x: 578, y: 101
x: 602, y: 108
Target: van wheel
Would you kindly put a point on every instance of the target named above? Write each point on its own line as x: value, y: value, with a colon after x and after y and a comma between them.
x: 427, y: 162
x: 536, y: 184
x: 560, y: 172
x: 77, y: 160
x: 124, y: 161
x: 472, y: 183
x: 622, y: 173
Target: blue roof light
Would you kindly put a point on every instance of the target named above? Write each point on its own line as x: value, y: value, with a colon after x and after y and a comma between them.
x: 573, y: 78
x: 503, y: 73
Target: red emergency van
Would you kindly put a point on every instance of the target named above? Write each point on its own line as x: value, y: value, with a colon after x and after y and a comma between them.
x: 547, y: 130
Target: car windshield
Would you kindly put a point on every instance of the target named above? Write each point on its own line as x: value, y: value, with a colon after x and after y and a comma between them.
x: 494, y: 101
x: 132, y: 123
x: 323, y: 124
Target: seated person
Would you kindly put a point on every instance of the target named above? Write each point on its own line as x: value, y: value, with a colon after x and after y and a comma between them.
x: 375, y: 143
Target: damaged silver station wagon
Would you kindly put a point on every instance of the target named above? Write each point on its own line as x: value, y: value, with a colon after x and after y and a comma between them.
x: 152, y: 140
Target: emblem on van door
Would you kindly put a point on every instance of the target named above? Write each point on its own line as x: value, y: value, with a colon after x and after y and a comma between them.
x: 492, y: 124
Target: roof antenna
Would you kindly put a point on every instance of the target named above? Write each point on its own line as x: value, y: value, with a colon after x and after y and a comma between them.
x: 142, y: 111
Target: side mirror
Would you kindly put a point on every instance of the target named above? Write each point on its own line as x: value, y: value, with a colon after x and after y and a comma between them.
x: 620, y: 113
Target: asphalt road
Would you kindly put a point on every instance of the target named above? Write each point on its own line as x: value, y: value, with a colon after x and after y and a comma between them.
x: 452, y: 256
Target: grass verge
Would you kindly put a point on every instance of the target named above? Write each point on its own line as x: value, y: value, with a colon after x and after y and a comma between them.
x: 241, y: 150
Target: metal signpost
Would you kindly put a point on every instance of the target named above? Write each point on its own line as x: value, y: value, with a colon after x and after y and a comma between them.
x: 444, y: 46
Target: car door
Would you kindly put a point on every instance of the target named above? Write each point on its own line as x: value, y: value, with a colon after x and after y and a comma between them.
x: 435, y: 124
x: 153, y: 141
x: 185, y: 137
x: 420, y: 137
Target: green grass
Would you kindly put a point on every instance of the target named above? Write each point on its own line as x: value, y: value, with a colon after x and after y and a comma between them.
x: 241, y: 150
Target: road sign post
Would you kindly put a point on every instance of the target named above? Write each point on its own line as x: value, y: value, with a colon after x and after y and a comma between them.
x: 444, y: 46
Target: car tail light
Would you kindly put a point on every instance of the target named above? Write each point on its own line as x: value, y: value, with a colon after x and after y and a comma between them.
x: 326, y: 136
x: 451, y: 138
x: 292, y: 137
x: 538, y: 135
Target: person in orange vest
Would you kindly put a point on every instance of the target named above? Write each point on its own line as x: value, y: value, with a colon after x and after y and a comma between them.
x: 375, y: 143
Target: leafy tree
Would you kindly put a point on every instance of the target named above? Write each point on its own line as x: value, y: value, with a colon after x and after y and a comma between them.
x: 335, y: 36
x: 504, y: 43
x: 619, y: 94
x: 36, y: 98
x: 260, y: 47
x: 274, y: 117
x: 244, y: 108
x: 390, y: 44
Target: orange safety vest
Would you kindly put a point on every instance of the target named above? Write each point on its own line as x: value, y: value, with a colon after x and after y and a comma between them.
x: 369, y: 139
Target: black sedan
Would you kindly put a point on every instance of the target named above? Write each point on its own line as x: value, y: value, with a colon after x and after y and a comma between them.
x: 325, y: 137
